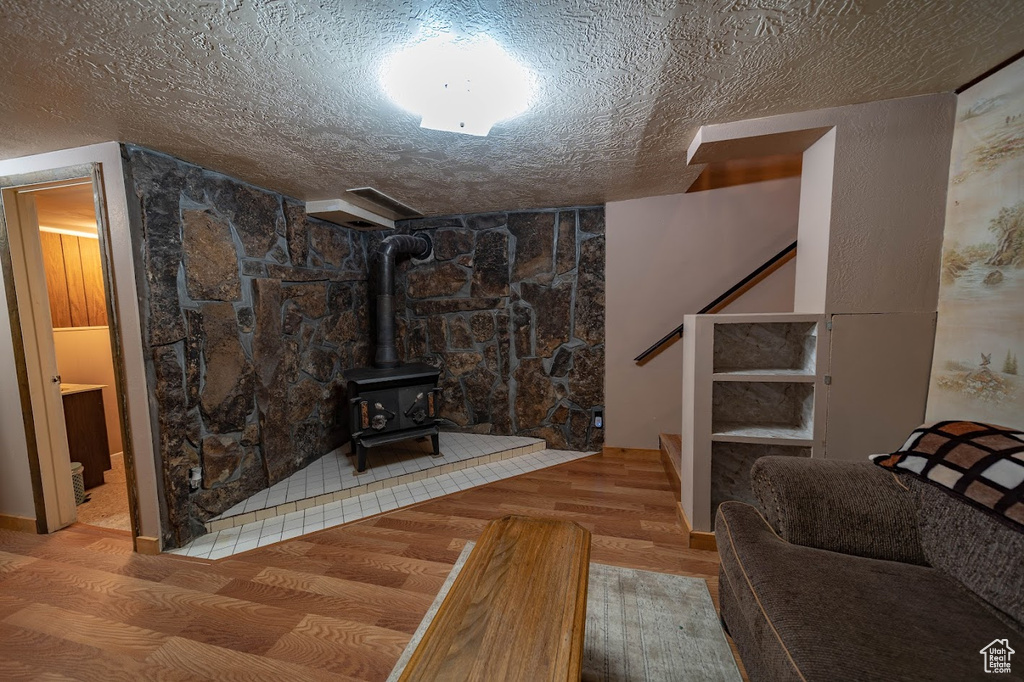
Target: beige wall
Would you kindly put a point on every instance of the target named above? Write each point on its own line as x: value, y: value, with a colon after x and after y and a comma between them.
x: 815, y: 217
x: 879, y: 186
x: 83, y: 357
x: 671, y: 255
x: 774, y: 294
x: 15, y: 482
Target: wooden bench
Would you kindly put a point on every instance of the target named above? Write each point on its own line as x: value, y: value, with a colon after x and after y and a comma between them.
x: 517, y: 609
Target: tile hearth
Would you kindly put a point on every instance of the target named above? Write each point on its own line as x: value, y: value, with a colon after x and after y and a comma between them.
x: 279, y: 527
x: 333, y: 477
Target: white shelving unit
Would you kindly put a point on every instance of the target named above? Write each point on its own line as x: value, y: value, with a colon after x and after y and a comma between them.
x: 753, y: 386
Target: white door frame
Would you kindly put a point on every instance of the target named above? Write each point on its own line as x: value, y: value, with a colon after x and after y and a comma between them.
x: 118, y: 244
x: 35, y: 356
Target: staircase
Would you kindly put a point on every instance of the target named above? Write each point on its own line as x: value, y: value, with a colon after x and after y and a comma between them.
x: 671, y: 444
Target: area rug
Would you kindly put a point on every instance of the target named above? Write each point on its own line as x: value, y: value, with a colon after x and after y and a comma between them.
x: 640, y: 626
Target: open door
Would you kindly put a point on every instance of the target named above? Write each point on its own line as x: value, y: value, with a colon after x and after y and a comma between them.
x: 38, y: 302
x: 42, y: 376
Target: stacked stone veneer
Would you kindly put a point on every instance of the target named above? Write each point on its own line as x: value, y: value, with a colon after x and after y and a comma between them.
x: 510, y: 307
x: 251, y: 312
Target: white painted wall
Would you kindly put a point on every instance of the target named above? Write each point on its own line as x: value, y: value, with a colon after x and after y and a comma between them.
x: 15, y: 484
x: 815, y: 217
x: 877, y: 181
x: 672, y: 255
x: 83, y: 357
x: 774, y: 294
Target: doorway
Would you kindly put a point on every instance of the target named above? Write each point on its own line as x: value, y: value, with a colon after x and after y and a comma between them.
x: 58, y: 278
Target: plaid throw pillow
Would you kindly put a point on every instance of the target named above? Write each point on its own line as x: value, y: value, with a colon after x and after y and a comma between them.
x: 981, y: 463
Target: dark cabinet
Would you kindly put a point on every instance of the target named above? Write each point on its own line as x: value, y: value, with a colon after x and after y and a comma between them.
x: 87, y: 431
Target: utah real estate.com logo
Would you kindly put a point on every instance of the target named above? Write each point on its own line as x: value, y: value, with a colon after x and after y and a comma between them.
x: 997, y: 656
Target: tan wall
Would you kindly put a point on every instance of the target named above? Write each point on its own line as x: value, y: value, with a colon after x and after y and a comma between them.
x: 774, y: 294
x: 881, y: 195
x: 815, y: 216
x: 83, y: 357
x: 671, y: 255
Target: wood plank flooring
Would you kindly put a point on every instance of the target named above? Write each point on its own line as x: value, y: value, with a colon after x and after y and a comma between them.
x: 340, y: 604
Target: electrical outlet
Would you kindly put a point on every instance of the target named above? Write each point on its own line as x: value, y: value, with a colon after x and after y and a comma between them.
x: 599, y: 419
x: 195, y: 477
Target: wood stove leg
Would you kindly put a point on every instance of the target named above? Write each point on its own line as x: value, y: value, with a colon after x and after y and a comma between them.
x: 434, y: 440
x: 360, y: 457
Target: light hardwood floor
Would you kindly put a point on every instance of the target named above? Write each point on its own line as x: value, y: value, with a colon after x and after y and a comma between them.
x: 336, y: 605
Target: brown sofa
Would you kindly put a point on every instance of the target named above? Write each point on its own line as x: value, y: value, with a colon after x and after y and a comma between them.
x: 850, y: 572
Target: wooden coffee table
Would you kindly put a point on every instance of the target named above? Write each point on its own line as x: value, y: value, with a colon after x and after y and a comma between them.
x: 516, y: 611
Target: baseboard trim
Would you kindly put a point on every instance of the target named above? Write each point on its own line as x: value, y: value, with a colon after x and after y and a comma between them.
x: 631, y: 451
x: 703, y: 540
x: 147, y: 545
x: 673, y: 475
x: 696, y: 539
x: 681, y: 515
x: 22, y: 524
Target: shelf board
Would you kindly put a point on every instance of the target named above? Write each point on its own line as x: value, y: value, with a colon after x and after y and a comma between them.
x: 781, y: 375
x: 763, y: 434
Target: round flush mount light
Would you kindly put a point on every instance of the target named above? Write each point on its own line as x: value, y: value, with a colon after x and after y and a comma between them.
x: 458, y: 84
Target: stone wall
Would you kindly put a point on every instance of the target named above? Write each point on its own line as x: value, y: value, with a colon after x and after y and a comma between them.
x: 510, y: 306
x: 251, y: 311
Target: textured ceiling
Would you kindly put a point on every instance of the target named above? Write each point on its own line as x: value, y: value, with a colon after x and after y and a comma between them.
x: 284, y: 93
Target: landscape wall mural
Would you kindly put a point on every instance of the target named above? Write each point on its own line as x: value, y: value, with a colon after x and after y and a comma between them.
x: 979, y: 343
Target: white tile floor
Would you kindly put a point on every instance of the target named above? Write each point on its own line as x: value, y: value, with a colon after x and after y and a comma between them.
x: 335, y: 471
x: 224, y: 543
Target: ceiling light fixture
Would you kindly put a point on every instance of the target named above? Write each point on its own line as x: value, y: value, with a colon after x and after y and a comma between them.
x: 460, y: 85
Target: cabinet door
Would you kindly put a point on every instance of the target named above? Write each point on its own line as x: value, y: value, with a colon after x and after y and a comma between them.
x: 879, y: 367
x: 87, y: 434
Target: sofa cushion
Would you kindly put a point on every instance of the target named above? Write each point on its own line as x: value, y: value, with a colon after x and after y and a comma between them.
x: 800, y: 613
x: 847, y: 507
x: 981, y: 464
x: 974, y: 548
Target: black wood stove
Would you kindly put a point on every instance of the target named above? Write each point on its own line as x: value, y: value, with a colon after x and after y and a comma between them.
x: 389, y: 405
x: 390, y: 402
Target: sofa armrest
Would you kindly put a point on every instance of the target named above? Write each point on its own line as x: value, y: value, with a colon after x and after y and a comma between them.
x: 849, y: 507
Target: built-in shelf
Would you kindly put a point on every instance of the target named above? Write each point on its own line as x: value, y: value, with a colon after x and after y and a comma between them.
x: 754, y: 386
x: 751, y: 389
x: 754, y: 347
x: 782, y: 375
x: 763, y: 434
x: 731, y: 464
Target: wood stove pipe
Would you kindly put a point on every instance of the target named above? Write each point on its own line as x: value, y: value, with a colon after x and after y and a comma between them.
x: 417, y: 246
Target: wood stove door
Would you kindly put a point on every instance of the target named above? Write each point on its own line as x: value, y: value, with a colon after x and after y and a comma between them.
x: 415, y: 411
x: 383, y: 411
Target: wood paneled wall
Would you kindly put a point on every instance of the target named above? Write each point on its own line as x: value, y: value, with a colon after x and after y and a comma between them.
x: 74, y: 280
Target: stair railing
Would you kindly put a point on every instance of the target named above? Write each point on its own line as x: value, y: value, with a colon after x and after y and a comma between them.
x: 734, y: 292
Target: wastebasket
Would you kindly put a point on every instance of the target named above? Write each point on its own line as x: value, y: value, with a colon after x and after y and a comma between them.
x: 78, y: 480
